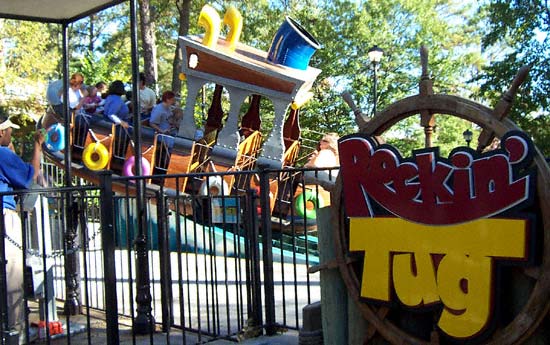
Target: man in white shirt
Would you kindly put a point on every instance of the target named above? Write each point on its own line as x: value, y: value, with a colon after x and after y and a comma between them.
x: 147, y: 98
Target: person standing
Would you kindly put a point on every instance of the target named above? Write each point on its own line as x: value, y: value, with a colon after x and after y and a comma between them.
x: 147, y: 98
x: 162, y: 114
x: 15, y: 174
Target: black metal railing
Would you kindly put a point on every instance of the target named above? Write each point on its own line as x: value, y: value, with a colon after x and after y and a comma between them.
x: 232, y: 265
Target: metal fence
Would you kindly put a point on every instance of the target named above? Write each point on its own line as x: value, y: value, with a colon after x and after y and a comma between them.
x: 122, y: 259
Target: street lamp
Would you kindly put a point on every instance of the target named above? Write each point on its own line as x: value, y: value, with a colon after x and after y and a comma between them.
x: 467, y: 134
x: 375, y: 55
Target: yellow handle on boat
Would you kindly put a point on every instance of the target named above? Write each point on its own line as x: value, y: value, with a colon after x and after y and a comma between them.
x: 301, y: 100
x: 234, y: 20
x: 210, y: 20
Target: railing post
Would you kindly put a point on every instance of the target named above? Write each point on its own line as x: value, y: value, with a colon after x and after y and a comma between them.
x: 108, y: 244
x: 267, y: 241
x: 254, y: 292
x: 144, y: 321
x: 164, y: 258
x: 72, y: 267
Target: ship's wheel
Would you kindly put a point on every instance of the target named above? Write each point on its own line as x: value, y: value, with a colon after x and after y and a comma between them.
x: 532, y: 284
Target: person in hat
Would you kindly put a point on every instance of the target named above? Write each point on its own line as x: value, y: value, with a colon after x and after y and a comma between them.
x: 115, y: 109
x: 15, y: 174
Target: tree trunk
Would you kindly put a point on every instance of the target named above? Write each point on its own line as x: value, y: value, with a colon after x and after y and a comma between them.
x: 184, y: 7
x: 91, y: 43
x: 147, y: 25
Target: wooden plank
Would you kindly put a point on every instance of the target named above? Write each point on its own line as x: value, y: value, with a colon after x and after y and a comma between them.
x: 246, y: 68
x: 213, y: 65
x: 334, y: 301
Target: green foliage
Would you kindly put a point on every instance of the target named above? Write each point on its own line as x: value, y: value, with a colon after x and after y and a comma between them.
x: 346, y: 29
x: 29, y: 55
x: 28, y: 51
x: 97, y: 69
x: 22, y: 138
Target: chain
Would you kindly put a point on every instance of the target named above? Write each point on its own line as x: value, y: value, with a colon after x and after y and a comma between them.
x: 56, y: 253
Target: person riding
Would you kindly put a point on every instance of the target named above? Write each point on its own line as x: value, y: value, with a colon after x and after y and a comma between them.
x: 147, y: 98
x: 162, y: 114
x: 54, y: 93
x: 326, y: 155
x: 92, y: 101
x: 115, y: 109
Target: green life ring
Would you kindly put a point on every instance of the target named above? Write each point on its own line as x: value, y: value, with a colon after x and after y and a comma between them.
x: 300, y: 204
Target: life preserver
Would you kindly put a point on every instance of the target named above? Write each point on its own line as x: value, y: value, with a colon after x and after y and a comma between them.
x: 55, y: 138
x: 301, y: 205
x: 95, y: 156
x: 128, y: 167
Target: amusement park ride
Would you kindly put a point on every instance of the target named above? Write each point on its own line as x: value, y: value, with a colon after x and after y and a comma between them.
x: 281, y: 75
x: 421, y: 243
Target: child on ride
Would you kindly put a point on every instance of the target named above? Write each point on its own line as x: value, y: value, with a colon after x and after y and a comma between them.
x: 92, y: 101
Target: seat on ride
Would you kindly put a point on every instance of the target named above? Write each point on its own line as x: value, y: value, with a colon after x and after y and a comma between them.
x: 247, y: 156
x: 79, y: 136
x: 82, y: 136
x: 118, y: 148
x: 162, y: 149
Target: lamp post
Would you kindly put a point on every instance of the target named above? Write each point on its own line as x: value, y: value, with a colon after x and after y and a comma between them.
x: 467, y: 134
x: 375, y: 55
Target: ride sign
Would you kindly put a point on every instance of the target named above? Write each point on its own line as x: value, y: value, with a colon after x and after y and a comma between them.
x: 434, y: 231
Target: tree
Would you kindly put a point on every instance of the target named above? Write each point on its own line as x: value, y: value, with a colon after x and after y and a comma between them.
x: 517, y: 34
x: 347, y: 29
x: 184, y: 9
x: 148, y: 43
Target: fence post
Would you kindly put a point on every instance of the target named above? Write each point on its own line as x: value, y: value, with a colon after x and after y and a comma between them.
x: 144, y: 322
x: 108, y: 244
x: 163, y: 234
x: 253, y: 261
x: 72, y: 267
x: 267, y: 241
